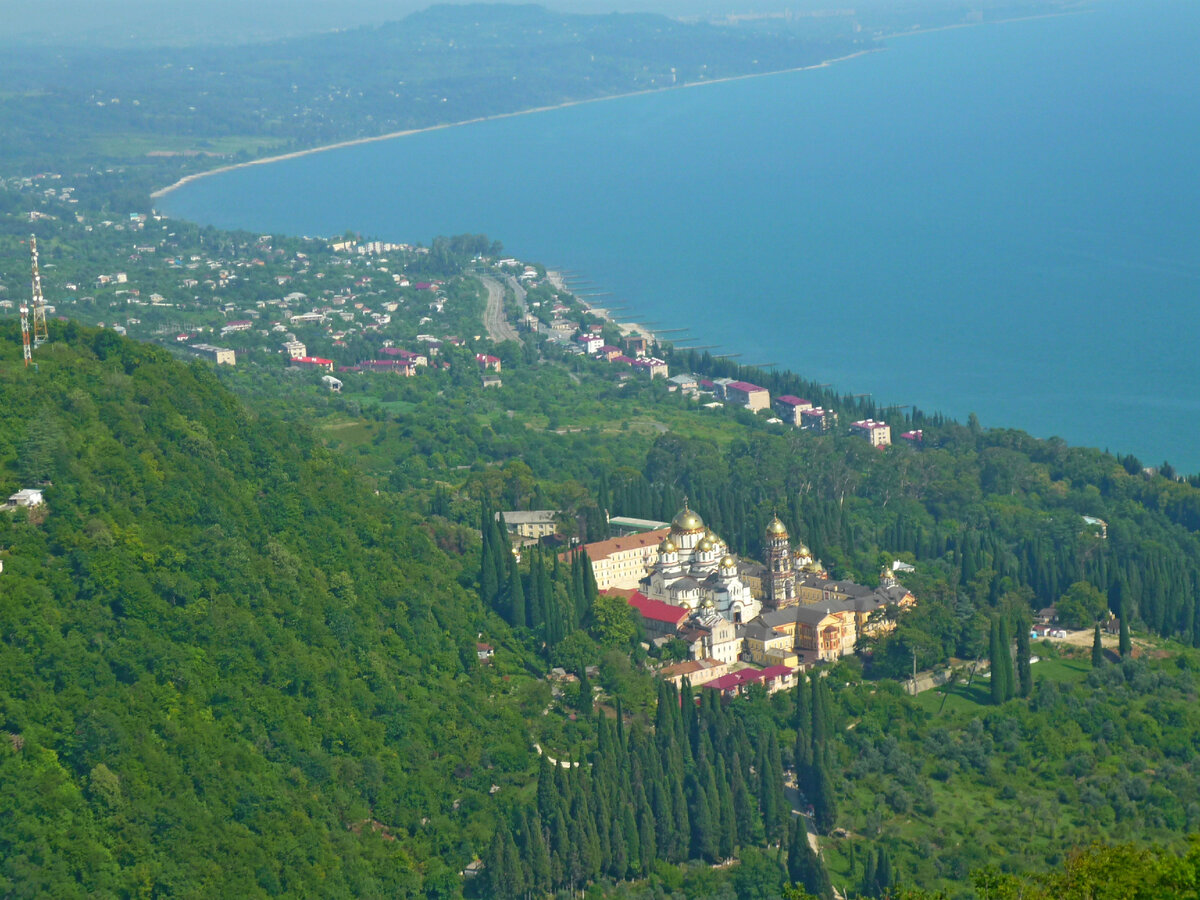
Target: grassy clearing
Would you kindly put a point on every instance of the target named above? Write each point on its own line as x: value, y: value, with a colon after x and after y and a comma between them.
x: 126, y: 145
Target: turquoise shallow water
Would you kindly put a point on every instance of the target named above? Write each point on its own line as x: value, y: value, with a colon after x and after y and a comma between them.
x: 1000, y: 219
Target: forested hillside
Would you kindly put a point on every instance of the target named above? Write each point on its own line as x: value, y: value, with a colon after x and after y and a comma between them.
x: 227, y: 666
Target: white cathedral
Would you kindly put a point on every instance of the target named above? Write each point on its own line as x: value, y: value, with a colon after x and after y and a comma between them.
x: 696, y: 570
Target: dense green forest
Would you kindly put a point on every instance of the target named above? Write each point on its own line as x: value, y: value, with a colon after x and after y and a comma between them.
x: 225, y: 661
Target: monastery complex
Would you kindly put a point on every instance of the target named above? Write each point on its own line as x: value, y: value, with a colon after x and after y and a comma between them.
x: 782, y: 614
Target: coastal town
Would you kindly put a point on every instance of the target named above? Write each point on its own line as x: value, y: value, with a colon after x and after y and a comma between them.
x: 343, y: 312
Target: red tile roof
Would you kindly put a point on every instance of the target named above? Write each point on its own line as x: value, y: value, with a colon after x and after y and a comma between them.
x: 747, y: 676
x: 744, y: 386
x: 602, y: 549
x: 656, y: 610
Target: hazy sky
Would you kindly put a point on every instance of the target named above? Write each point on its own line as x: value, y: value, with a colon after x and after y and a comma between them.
x: 238, y: 21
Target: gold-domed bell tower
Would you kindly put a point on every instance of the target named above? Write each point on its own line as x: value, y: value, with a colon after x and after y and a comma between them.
x: 780, y: 583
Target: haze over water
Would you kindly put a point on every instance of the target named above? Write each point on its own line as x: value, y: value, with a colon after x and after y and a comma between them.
x: 999, y: 219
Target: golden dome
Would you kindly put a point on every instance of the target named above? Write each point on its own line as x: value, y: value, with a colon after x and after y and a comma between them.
x: 728, y: 562
x: 803, y: 550
x: 776, y: 529
x: 686, y: 521
x: 705, y: 545
x: 667, y: 546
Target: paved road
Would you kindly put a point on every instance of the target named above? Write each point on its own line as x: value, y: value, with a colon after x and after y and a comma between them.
x: 498, y: 327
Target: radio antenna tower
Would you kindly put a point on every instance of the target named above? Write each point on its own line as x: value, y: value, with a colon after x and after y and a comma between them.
x: 25, y: 333
x: 40, y: 334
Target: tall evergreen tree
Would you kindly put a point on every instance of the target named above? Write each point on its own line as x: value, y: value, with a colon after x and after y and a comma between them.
x: 516, y: 595
x: 538, y: 855
x: 1097, y: 649
x: 804, y: 867
x: 704, y: 835
x: 1006, y: 661
x: 727, y: 840
x: 1024, y: 669
x: 995, y: 653
x: 823, y: 800
x: 1126, y: 645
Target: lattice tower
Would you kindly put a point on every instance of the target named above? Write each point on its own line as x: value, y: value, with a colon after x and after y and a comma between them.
x: 38, y: 304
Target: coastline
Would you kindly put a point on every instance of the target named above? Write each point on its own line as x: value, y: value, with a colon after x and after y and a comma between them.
x: 296, y: 154
x: 626, y: 328
x: 915, y: 31
x: 338, y: 145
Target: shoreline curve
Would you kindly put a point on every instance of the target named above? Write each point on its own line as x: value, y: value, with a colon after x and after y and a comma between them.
x: 338, y: 145
x: 392, y: 135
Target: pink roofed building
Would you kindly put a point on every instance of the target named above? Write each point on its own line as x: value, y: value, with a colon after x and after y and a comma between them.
x: 608, y: 352
x: 913, y: 437
x: 789, y: 408
x: 773, y: 678
x: 589, y: 342
x: 651, y: 366
x: 396, y: 366
x: 417, y: 359
x: 818, y: 419
x: 488, y: 362
x: 877, y: 434
x: 748, y: 395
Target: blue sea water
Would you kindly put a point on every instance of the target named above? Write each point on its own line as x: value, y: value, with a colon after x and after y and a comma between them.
x: 1000, y: 219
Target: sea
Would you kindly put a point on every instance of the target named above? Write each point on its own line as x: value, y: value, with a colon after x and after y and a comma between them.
x: 1001, y: 219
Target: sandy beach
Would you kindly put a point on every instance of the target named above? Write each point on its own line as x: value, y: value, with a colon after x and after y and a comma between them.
x: 296, y: 154
x: 626, y: 328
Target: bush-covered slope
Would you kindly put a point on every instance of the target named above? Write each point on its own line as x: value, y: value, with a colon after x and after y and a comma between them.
x: 225, y: 664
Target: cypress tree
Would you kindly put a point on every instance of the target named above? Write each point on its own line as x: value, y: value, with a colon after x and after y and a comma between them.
x: 804, y: 867
x: 996, y: 664
x: 1024, y: 669
x: 743, y: 805
x: 883, y: 873
x: 584, y: 704
x: 618, y: 865
x: 823, y: 800
x: 489, y: 578
x: 868, y: 887
x: 646, y: 835
x: 631, y: 837
x: 803, y: 748
x: 1126, y: 646
x: 704, y: 837
x: 494, y: 866
x: 1097, y: 649
x: 774, y: 783
x: 727, y: 839
x: 682, y: 824
x: 560, y: 839
x: 538, y: 855
x: 1010, y: 688
x: 516, y: 595
x: 766, y: 796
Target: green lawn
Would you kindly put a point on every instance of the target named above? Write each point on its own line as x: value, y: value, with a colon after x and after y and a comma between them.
x: 964, y: 699
x: 126, y: 145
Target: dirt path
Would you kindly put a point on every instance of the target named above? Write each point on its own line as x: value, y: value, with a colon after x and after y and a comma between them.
x: 497, y: 325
